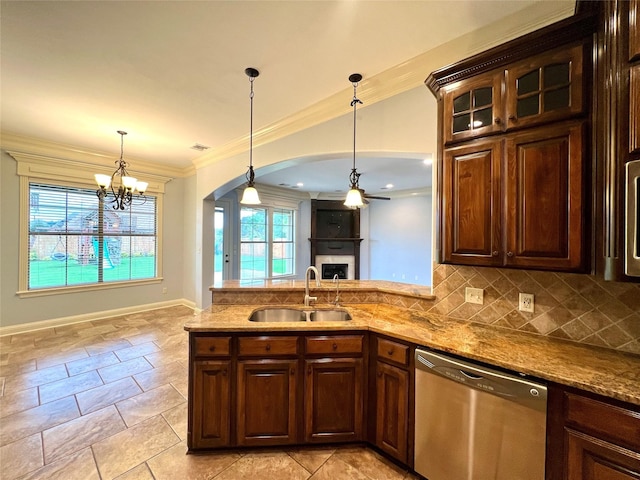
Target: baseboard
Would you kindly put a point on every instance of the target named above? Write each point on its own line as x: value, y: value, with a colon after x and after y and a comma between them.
x: 87, y: 317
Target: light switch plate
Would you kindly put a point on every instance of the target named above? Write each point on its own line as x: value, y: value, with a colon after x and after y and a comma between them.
x: 525, y: 302
x: 474, y: 295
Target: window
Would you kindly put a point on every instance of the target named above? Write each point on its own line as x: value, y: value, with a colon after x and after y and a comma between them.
x: 76, y: 240
x: 266, y: 243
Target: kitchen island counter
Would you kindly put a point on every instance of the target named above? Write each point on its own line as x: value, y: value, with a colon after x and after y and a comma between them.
x: 599, y: 370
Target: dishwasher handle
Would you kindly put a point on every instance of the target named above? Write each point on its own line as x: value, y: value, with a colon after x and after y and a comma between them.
x: 508, y: 386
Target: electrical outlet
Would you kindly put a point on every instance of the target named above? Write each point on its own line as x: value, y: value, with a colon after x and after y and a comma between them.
x: 164, y: 290
x: 525, y: 302
x: 474, y: 295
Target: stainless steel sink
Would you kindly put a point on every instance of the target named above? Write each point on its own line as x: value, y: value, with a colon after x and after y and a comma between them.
x: 278, y: 315
x: 329, y: 316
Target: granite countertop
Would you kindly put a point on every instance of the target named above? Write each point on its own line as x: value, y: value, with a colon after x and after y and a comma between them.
x: 599, y: 370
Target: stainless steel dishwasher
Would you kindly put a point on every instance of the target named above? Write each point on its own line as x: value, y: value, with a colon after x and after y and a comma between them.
x: 475, y: 423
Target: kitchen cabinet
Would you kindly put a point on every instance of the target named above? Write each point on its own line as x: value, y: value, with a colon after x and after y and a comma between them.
x: 333, y: 388
x: 473, y: 107
x: 591, y: 437
x: 516, y: 200
x: 210, y: 422
x: 249, y: 390
x: 392, y: 397
x: 513, y: 134
x: 266, y: 390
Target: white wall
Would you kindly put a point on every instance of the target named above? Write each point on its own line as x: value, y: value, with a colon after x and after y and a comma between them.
x: 400, y: 239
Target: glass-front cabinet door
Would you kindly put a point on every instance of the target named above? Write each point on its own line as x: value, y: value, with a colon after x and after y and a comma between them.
x: 473, y: 107
x: 545, y: 88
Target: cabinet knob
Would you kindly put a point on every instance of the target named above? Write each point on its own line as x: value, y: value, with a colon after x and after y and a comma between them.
x: 380, y: 374
x: 494, y: 253
x: 509, y: 254
x: 268, y: 347
x: 498, y: 121
x: 212, y: 348
x: 513, y: 118
x: 224, y: 372
x: 335, y: 346
x: 309, y: 371
x: 390, y: 352
x: 293, y: 371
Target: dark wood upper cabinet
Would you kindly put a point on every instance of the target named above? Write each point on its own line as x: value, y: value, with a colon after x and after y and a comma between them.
x: 513, y: 159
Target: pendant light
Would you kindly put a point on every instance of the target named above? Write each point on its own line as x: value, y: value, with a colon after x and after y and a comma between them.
x: 127, y: 184
x: 354, y: 196
x: 250, y: 194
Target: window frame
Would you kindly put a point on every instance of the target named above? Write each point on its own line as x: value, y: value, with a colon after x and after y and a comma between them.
x: 270, y: 209
x: 72, y: 174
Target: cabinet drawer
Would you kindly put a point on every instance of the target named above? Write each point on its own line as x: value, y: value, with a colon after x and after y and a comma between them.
x: 212, y: 346
x: 261, y: 346
x: 615, y: 423
x: 393, y: 351
x: 334, y: 344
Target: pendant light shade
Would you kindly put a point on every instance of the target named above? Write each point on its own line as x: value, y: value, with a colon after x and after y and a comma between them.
x: 354, y: 196
x: 250, y: 194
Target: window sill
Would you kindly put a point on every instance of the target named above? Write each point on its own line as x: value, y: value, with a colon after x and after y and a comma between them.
x: 41, y: 292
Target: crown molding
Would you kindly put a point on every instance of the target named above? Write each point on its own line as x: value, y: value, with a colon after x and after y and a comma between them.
x: 60, y: 152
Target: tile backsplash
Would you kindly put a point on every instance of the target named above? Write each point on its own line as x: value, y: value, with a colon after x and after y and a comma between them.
x: 575, y: 307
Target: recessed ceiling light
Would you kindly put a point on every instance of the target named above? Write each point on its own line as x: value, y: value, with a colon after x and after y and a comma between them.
x: 300, y: 184
x: 389, y: 185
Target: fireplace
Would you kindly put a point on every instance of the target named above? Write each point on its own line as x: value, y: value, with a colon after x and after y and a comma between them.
x: 330, y: 265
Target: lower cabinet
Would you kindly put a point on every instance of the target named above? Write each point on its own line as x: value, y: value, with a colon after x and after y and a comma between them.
x: 392, y: 397
x: 333, y: 400
x: 266, y: 402
x: 211, y: 426
x: 591, y: 437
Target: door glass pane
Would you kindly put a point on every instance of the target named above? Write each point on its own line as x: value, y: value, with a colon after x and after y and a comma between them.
x: 555, y: 99
x: 461, y: 123
x: 482, y: 118
x: 462, y: 103
x: 528, y: 106
x: 482, y: 97
x: 528, y: 83
x: 218, y: 245
x: 557, y: 74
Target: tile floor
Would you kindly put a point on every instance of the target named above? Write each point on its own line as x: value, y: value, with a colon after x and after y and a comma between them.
x: 107, y: 400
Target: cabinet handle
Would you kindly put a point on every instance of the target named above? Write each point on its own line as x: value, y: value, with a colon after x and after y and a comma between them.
x: 509, y: 254
x: 380, y: 374
x: 268, y: 347
x: 309, y: 370
x: 335, y: 347
x: 293, y: 371
x: 513, y: 118
x: 212, y: 348
x: 224, y: 372
x: 498, y: 121
x: 494, y: 253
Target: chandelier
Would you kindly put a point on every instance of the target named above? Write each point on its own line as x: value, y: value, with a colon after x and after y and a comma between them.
x: 250, y: 194
x: 126, y: 184
x: 354, y: 196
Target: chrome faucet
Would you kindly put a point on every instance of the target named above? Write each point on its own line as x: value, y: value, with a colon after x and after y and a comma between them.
x: 307, y: 298
x: 336, y: 280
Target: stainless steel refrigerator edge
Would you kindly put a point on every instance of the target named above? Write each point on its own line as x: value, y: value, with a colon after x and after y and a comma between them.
x: 475, y: 423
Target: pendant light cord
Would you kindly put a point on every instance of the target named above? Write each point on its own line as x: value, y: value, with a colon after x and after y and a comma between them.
x: 251, y: 124
x: 354, y: 104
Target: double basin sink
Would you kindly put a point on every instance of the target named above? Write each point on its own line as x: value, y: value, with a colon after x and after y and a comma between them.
x: 296, y: 315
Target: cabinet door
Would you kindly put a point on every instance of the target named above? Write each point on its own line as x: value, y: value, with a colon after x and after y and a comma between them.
x: 471, y: 204
x: 544, y: 195
x: 634, y: 109
x: 589, y: 458
x: 333, y: 400
x: 634, y: 30
x: 210, y: 405
x: 473, y: 108
x: 545, y: 88
x: 392, y: 410
x: 266, y: 395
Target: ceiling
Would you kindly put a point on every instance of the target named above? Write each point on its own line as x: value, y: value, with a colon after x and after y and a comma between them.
x: 171, y: 73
